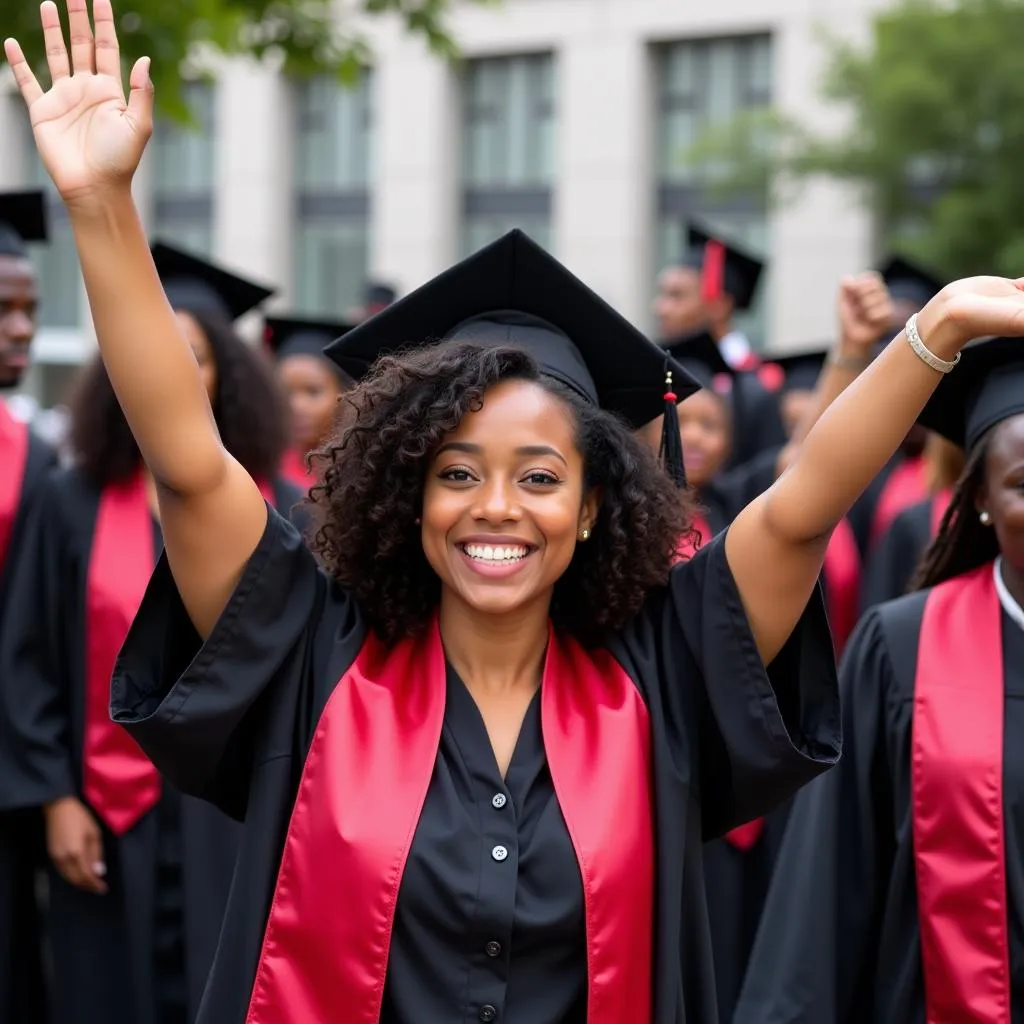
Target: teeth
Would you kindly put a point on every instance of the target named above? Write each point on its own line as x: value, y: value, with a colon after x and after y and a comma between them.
x: 489, y: 553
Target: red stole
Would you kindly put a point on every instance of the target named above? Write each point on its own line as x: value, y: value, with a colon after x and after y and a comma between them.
x: 957, y: 789
x: 326, y: 946
x: 905, y: 486
x: 14, y: 444
x: 293, y: 469
x: 939, y: 505
x: 689, y: 545
x: 842, y: 583
x: 118, y: 780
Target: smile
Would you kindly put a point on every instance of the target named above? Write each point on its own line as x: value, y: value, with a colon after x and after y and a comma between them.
x: 503, y: 554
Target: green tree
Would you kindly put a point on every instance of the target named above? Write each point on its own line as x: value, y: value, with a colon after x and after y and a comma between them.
x: 935, y: 136
x: 306, y: 36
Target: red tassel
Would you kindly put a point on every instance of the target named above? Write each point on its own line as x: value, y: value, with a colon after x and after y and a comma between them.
x: 712, y: 280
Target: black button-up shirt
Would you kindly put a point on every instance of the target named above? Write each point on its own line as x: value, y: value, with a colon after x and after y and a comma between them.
x: 489, y: 925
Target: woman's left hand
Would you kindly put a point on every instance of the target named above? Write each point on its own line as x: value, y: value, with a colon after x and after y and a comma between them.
x: 975, y: 307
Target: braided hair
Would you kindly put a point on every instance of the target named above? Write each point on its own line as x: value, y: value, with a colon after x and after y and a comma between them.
x: 962, y: 543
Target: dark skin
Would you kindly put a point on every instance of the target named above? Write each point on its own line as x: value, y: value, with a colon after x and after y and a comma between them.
x: 313, y: 392
x: 681, y: 309
x: 19, y: 304
x: 1002, y: 496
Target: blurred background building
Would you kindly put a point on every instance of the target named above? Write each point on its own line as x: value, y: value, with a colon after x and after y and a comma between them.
x: 569, y: 118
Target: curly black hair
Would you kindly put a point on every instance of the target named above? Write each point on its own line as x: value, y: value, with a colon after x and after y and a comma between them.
x: 963, y: 542
x: 372, y: 476
x: 249, y: 407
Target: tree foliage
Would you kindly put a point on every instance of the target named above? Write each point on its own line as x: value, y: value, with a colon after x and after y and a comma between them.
x: 304, y: 36
x: 935, y: 135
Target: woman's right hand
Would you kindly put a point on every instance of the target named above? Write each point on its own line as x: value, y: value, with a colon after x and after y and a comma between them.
x: 75, y: 844
x: 89, y: 137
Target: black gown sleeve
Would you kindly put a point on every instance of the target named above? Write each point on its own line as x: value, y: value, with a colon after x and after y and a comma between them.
x: 813, y: 959
x: 35, y: 698
x: 891, y: 565
x: 207, y: 713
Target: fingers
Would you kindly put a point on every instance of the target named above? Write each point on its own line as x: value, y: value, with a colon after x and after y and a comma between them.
x: 28, y: 84
x: 140, y: 98
x: 80, y: 31
x: 53, y: 41
x: 108, y: 55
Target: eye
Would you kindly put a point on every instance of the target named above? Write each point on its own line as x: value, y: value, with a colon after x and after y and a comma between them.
x: 457, y: 475
x: 540, y: 478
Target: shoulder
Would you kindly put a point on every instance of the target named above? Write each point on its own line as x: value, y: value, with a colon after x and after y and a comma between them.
x: 883, y: 649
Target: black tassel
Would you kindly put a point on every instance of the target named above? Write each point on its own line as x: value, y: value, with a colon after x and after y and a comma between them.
x: 671, y: 440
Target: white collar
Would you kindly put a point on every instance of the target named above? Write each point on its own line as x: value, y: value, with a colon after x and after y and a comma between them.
x: 734, y: 348
x: 1006, y: 599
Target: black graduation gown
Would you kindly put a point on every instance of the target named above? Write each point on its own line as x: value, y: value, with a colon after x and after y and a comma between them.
x: 892, y: 564
x: 839, y: 941
x: 232, y: 720
x: 170, y: 871
x: 21, y: 985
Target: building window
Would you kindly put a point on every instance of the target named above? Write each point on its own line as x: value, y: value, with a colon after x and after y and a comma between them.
x: 508, y: 148
x: 184, y: 174
x: 333, y: 156
x: 60, y: 279
x: 702, y: 83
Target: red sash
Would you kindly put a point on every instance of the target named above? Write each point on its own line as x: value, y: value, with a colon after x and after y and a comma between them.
x: 14, y: 443
x: 842, y: 583
x: 939, y: 505
x: 690, y: 544
x: 326, y: 946
x: 293, y: 469
x: 118, y: 780
x: 905, y: 486
x: 957, y: 786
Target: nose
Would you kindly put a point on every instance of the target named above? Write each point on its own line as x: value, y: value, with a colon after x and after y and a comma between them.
x: 16, y: 325
x: 496, y: 502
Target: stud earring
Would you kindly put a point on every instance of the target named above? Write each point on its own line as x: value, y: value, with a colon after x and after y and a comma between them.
x: 585, y: 535
x: 985, y: 518
x: 418, y: 521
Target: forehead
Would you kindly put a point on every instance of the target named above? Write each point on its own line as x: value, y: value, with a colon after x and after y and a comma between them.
x: 16, y: 274
x: 517, y: 412
x: 1008, y: 439
x: 678, y: 278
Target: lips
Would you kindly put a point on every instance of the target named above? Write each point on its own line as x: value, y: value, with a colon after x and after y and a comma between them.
x: 496, y: 553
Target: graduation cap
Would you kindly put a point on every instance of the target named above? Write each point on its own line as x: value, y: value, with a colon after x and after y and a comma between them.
x: 725, y: 269
x: 801, y: 369
x: 702, y: 359
x: 377, y: 294
x: 986, y: 388
x: 193, y: 283
x: 296, y: 336
x: 22, y: 219
x: 512, y: 292
x: 909, y: 281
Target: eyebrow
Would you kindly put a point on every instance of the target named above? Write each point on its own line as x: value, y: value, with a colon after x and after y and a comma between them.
x: 475, y: 449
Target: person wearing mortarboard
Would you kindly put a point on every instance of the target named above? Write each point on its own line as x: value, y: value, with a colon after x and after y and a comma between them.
x: 903, y: 867
x: 376, y: 296
x: 712, y: 282
x: 477, y: 745
x: 25, y: 460
x: 139, y: 873
x: 314, y: 385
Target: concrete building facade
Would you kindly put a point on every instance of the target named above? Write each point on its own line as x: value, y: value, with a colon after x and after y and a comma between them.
x: 571, y: 118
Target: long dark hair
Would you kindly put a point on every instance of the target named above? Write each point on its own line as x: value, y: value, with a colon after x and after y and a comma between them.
x: 963, y: 542
x: 249, y: 408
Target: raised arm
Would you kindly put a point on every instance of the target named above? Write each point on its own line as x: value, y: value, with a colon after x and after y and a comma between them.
x: 91, y: 140
x: 776, y: 545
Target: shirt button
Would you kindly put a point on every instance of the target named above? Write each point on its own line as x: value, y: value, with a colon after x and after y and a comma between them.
x: 493, y: 949
x: 487, y: 1013
x: 499, y: 853
x: 498, y: 801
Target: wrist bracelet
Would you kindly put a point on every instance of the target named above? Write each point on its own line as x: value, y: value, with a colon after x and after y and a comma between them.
x: 925, y: 354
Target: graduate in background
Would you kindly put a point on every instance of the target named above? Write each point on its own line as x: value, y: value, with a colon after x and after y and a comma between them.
x: 899, y: 894
x: 313, y: 383
x: 24, y: 461
x: 139, y: 875
x: 894, y: 560
x: 699, y: 296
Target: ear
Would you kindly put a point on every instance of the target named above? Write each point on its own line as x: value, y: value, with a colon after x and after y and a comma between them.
x: 589, y: 509
x: 981, y: 502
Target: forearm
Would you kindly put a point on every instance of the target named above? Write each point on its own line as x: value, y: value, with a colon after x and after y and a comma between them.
x: 852, y: 442
x: 151, y: 366
x: 836, y: 377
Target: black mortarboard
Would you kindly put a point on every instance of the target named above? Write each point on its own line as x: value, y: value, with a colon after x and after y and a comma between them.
x: 22, y: 219
x: 702, y: 359
x: 724, y: 267
x: 193, y: 283
x: 801, y: 369
x: 512, y: 292
x: 377, y: 294
x: 909, y: 281
x: 986, y: 388
x: 293, y: 336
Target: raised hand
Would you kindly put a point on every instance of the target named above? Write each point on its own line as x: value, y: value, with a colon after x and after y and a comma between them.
x: 89, y: 137
x: 865, y: 312
x: 974, y: 307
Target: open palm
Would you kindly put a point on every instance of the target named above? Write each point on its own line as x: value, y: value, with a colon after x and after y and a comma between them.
x: 88, y: 135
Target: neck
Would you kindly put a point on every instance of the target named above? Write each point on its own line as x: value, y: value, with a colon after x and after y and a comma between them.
x: 495, y: 652
x: 1013, y: 580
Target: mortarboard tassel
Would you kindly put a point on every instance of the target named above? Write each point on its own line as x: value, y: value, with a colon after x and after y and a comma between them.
x: 712, y: 278
x: 671, y: 440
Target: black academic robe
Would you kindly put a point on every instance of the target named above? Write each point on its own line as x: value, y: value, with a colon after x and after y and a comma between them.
x: 256, y: 720
x: 169, y: 874
x: 840, y: 939
x: 21, y: 985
